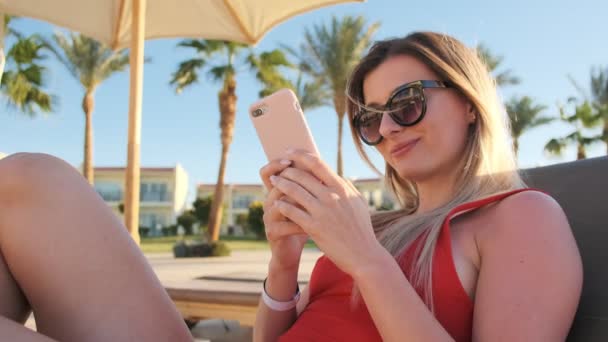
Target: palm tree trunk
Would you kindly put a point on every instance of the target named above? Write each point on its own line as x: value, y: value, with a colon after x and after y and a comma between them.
x: 580, y: 152
x: 605, y: 133
x: 217, y: 208
x: 227, y: 101
x: 516, y: 146
x: 340, y: 129
x: 340, y: 106
x: 2, y: 56
x: 88, y: 103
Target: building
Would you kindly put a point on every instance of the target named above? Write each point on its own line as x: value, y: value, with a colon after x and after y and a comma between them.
x: 238, y: 197
x: 375, y: 192
x: 163, y: 193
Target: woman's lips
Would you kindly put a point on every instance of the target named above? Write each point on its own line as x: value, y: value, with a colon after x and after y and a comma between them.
x: 403, y: 148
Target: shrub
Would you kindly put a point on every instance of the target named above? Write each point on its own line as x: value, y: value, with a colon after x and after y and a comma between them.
x: 255, y: 219
x: 193, y: 249
x: 144, y: 231
x: 187, y: 220
x: 170, y: 230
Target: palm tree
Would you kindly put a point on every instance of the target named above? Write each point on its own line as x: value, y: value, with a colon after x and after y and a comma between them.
x: 493, y: 62
x: 328, y: 55
x: 91, y: 63
x: 598, y: 97
x: 227, y: 55
x: 523, y: 115
x: 599, y: 94
x: 23, y: 80
x: 583, y: 117
x: 311, y: 93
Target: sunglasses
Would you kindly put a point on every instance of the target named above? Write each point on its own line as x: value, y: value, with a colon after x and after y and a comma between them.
x: 406, y: 106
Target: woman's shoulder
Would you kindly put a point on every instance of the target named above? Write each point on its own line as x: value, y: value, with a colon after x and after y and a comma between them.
x: 531, y: 215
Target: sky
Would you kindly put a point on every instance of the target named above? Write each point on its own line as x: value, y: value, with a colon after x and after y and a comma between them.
x: 542, y: 41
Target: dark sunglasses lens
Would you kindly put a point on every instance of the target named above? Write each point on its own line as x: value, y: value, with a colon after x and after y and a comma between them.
x: 407, y: 106
x: 368, y: 124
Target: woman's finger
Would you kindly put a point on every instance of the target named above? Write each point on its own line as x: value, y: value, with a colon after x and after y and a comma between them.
x: 272, y: 168
x: 295, y: 191
x: 316, y: 166
x: 280, y: 230
x: 272, y: 213
x: 306, y: 180
x: 295, y: 214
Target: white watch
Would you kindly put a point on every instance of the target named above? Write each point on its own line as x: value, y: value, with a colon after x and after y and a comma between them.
x: 277, y: 305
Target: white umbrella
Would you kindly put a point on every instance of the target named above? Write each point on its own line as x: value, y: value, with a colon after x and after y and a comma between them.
x: 126, y: 23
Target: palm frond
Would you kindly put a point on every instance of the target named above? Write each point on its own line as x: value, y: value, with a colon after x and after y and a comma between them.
x: 221, y: 72
x: 200, y: 45
x: 493, y: 62
x: 24, y: 78
x: 578, y: 87
x: 555, y: 146
x: 599, y: 85
x: 186, y: 74
x: 88, y: 61
x: 523, y: 115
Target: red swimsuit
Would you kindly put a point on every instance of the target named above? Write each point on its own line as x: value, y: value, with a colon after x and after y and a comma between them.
x: 330, y: 316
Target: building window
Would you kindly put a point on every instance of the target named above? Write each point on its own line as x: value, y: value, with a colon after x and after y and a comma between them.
x: 154, y: 192
x: 152, y: 220
x: 110, y: 192
x: 242, y: 201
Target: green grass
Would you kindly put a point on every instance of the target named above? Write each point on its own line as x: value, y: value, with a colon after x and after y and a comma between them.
x: 165, y: 244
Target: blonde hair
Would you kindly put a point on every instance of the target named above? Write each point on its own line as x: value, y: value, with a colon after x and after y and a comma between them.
x: 488, y: 164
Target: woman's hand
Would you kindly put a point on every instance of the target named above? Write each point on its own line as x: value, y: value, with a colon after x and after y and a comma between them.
x: 286, y: 239
x: 330, y: 210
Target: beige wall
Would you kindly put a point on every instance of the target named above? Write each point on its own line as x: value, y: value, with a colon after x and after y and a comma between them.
x: 374, y: 191
x: 180, y: 186
x: 164, y: 192
x: 237, y: 198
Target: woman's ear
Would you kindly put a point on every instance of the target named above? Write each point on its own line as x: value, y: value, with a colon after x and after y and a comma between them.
x: 471, y: 113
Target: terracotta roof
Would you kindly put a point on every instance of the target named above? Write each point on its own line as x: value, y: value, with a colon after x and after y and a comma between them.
x: 236, y: 185
x: 366, y: 180
x: 147, y: 169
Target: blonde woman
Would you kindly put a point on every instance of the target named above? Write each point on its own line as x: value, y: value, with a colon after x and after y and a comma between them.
x: 472, y: 254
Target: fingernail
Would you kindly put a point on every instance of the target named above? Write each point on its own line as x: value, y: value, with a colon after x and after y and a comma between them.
x: 273, y: 180
x: 285, y: 162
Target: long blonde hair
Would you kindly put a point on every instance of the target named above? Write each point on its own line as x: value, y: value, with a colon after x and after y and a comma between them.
x: 488, y: 164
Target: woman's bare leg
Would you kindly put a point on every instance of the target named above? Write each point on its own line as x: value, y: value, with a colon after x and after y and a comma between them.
x: 84, y: 277
x: 14, y: 310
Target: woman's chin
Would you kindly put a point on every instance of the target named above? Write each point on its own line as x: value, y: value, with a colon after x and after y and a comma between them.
x: 413, y: 170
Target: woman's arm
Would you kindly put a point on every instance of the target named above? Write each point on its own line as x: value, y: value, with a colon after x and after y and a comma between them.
x: 528, y: 288
x: 280, y: 285
x: 531, y: 276
x: 397, y: 310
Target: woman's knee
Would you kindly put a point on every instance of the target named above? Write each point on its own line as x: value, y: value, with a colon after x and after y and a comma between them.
x: 21, y: 173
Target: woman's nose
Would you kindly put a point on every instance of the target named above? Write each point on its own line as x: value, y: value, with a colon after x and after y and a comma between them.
x: 388, y: 126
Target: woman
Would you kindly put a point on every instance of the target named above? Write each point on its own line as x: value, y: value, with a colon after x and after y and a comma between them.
x: 471, y: 255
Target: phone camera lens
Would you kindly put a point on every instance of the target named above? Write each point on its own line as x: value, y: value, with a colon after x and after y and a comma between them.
x: 257, y: 112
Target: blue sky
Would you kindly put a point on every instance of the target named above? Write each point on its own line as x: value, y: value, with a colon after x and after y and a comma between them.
x: 542, y: 41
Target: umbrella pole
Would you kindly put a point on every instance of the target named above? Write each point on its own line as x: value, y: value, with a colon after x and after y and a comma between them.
x: 2, y: 57
x: 135, y: 104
